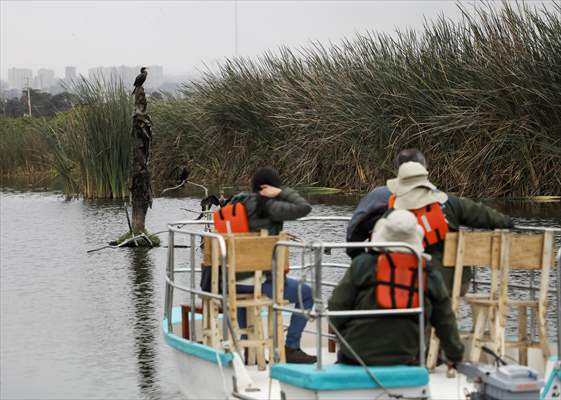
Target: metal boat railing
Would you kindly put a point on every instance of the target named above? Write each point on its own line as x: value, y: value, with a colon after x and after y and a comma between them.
x: 170, y: 274
x: 320, y: 311
x: 182, y: 228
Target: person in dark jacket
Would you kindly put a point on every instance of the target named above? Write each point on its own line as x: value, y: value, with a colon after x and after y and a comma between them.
x: 268, y: 206
x: 373, y: 206
x: 413, y: 191
x: 391, y: 340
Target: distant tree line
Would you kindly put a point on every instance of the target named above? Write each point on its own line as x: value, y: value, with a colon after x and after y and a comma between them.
x: 43, y: 104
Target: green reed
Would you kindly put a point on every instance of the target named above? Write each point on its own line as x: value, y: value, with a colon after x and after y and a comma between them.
x: 22, y: 149
x: 481, y: 97
x: 91, y: 146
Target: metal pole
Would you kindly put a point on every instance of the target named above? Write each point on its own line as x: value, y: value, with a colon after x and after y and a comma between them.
x: 421, y: 313
x: 276, y: 355
x: 171, y: 260
x: 559, y: 304
x: 318, y: 252
x: 193, y: 315
x: 225, y: 313
x: 28, y: 98
x: 236, y: 28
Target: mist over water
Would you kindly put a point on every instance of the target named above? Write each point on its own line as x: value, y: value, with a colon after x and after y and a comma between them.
x: 77, y: 325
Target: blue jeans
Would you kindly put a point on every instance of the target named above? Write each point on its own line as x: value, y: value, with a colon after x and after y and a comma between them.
x: 297, y: 322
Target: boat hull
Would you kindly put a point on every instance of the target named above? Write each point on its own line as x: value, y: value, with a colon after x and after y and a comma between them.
x: 200, y: 379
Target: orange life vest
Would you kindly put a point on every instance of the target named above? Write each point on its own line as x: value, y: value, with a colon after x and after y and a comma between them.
x: 432, y: 220
x: 397, y: 282
x: 231, y: 218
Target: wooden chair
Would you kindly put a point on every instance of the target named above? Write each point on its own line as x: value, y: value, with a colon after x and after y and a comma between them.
x: 212, y: 307
x: 250, y: 253
x: 501, y: 252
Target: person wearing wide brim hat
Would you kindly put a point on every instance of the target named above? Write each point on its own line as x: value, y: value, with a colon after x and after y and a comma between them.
x: 413, y: 191
x: 399, y: 226
x: 375, y: 203
x: 412, y: 188
x: 390, y: 340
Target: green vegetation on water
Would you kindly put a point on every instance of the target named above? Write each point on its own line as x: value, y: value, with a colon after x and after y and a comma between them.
x: 481, y: 97
x: 140, y: 242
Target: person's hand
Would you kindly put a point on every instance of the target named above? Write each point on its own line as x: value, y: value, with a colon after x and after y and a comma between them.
x: 269, y: 191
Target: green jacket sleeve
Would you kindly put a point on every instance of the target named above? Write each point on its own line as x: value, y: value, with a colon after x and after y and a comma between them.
x: 343, y: 298
x: 442, y: 317
x: 289, y: 205
x: 476, y: 215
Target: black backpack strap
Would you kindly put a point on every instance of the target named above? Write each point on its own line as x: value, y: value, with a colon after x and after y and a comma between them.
x: 413, y: 287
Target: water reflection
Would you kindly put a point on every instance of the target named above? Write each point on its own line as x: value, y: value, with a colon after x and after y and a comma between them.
x: 145, y: 323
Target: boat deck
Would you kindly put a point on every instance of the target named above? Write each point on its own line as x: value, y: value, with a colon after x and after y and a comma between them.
x: 441, y: 387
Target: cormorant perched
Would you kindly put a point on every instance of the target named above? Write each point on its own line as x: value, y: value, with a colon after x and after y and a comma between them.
x: 183, y: 177
x: 213, y: 200
x: 140, y: 78
x: 185, y: 172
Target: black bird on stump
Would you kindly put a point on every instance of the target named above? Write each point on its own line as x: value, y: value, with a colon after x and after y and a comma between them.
x: 140, y: 78
x: 184, y: 172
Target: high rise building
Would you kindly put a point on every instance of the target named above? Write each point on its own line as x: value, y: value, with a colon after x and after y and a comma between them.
x: 70, y: 74
x: 18, y: 78
x: 45, y: 79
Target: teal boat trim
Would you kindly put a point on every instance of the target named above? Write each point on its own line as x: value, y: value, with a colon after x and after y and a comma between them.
x: 192, y: 348
x: 349, y: 377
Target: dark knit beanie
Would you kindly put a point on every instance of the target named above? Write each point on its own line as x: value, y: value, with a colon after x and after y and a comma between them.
x: 265, y: 176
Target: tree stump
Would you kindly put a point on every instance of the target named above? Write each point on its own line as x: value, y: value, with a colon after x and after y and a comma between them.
x: 139, y: 178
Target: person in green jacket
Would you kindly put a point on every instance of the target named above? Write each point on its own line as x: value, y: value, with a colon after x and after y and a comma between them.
x: 413, y: 191
x: 391, y: 340
x: 268, y: 206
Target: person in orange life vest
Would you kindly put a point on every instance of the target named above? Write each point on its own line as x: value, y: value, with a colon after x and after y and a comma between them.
x: 373, y: 206
x: 268, y: 206
x: 438, y: 213
x: 367, y: 285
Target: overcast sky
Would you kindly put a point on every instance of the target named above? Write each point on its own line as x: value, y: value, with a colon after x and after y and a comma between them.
x: 183, y: 35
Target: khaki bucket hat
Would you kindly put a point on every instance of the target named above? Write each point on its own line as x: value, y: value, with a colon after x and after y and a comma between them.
x: 399, y: 226
x: 409, y: 176
x: 413, y: 189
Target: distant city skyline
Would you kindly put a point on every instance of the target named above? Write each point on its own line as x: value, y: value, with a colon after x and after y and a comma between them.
x: 187, y: 36
x: 46, y: 79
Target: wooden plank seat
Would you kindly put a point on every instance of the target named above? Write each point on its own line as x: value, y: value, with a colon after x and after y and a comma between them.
x: 247, y: 253
x: 501, y: 252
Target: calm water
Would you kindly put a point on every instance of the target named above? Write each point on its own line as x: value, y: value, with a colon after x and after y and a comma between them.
x: 77, y: 325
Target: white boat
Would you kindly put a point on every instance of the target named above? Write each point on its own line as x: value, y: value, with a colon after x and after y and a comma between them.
x: 206, y: 372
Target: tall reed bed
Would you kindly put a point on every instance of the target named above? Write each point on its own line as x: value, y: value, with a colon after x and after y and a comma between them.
x: 481, y: 97
x: 22, y: 148
x: 91, y: 145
